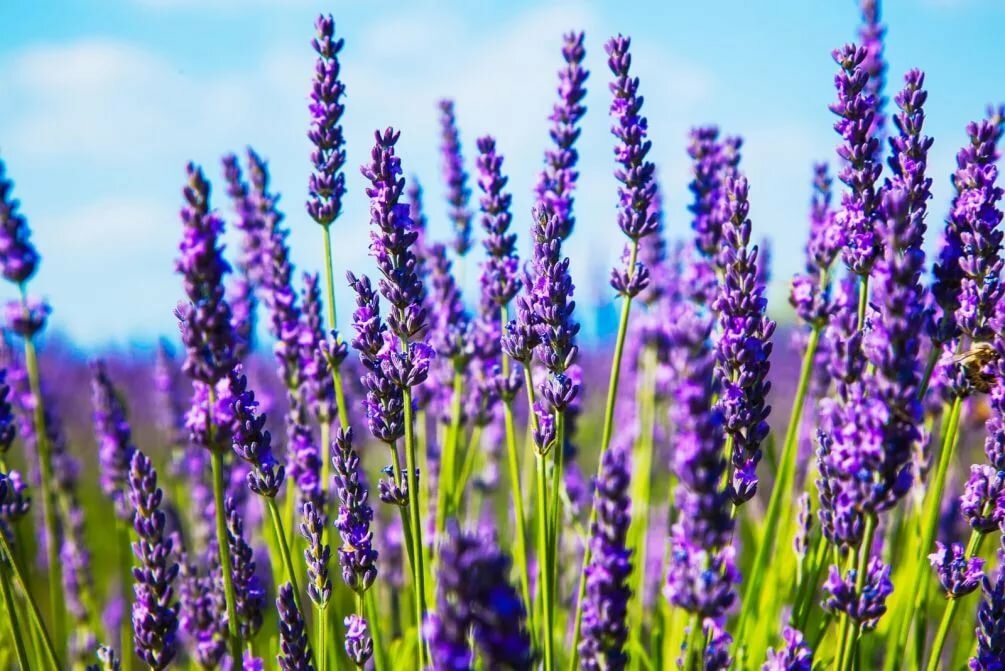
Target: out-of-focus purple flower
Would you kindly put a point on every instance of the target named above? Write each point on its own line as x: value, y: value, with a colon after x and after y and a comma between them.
x: 804, y: 523
x: 635, y: 173
x: 241, y: 298
x: 251, y: 261
x: 455, y: 177
x: 856, y: 106
x: 205, y: 320
x: 713, y: 162
x: 744, y: 346
x: 557, y: 180
x: 319, y: 390
x: 115, y: 440
x: 303, y: 457
x: 358, y: 644
x: 475, y: 602
x: 107, y: 660
x: 499, y: 279
x: 794, y: 655
x: 26, y: 318
x: 8, y: 424
x: 317, y: 554
x: 865, y: 608
x: 810, y: 293
x: 357, y: 555
x: 249, y: 593
x: 958, y: 574
x: 871, y: 33
x: 326, y: 185
x: 252, y: 442
x: 991, y: 624
x: 450, y: 332
x: 202, y: 613
x: 295, y: 651
x: 155, y: 612
x: 18, y: 258
x: 716, y: 655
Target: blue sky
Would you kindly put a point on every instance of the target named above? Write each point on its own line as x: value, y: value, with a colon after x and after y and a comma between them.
x: 101, y: 108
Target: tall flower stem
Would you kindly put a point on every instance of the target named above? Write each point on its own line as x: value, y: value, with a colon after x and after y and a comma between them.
x: 125, y: 570
x: 930, y: 521
x: 234, y: 636
x: 780, y: 503
x: 343, y: 411
x: 33, y: 610
x: 544, y: 563
x: 612, y: 395
x: 934, y: 657
x: 15, y: 628
x: 56, y: 603
x: 413, y: 510
x: 554, y: 512
x: 284, y: 549
x: 516, y: 491
x: 642, y: 496
x: 694, y: 646
x: 448, y: 461
x: 863, y: 300
x: 321, y: 622
x: 926, y: 378
x: 369, y: 605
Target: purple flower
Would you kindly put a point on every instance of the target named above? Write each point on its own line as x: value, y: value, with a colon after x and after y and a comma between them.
x: 499, y: 280
x: 971, y: 241
x: 295, y: 649
x: 991, y: 625
x: 252, y: 442
x: 358, y: 644
x: 865, y: 608
x: 108, y: 660
x: 605, y: 609
x: 795, y: 655
x: 249, y: 593
x: 455, y: 177
x: 450, y: 324
x: 202, y: 612
x: 317, y: 554
x: 558, y: 179
x: 26, y: 318
x: 716, y: 655
x: 318, y: 390
x: 958, y: 574
x: 744, y: 346
x: 18, y: 258
x: 983, y: 501
x: 8, y: 426
x: 155, y: 612
x: 857, y: 108
x: 635, y: 173
x: 326, y: 185
x: 476, y: 602
x: 357, y: 555
x: 205, y: 320
x: 713, y: 162
x: 871, y: 33
x: 115, y: 441
x: 251, y: 260
x: 810, y: 293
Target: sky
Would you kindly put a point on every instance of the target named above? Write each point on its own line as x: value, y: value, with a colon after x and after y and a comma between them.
x: 103, y: 102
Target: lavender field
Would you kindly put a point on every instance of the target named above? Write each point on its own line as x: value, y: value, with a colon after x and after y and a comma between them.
x: 421, y: 459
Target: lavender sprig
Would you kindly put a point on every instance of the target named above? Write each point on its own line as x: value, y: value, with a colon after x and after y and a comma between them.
x: 295, y: 649
x: 326, y: 185
x: 456, y: 178
x: 115, y: 443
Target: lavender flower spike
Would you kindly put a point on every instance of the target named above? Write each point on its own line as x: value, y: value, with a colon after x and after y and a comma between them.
x: 358, y: 644
x: 115, y: 442
x: 500, y: 281
x: 205, y: 320
x: 18, y: 258
x: 252, y: 442
x: 458, y: 193
x: 744, y: 346
x: 871, y: 33
x: 155, y: 612
x: 357, y: 555
x: 991, y: 623
x: 635, y: 173
x: 248, y: 590
x: 857, y: 108
x: 958, y: 574
x: 795, y: 655
x: 605, y: 627
x: 295, y: 652
x: 865, y: 608
x: 557, y: 181
x: 326, y: 185
x: 317, y: 555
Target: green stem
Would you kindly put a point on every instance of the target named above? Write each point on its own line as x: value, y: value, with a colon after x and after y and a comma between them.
x: 56, y: 603
x: 780, y: 503
x: 694, y: 646
x: 612, y: 394
x: 413, y: 510
x: 554, y: 513
x: 33, y: 610
x: 448, y: 461
x: 930, y: 520
x: 642, y: 495
x: 543, y: 564
x: 234, y: 634
x: 926, y: 378
x: 125, y: 571
x: 322, y: 635
x: 15, y: 628
x: 863, y: 300
x: 373, y: 619
x: 284, y: 550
